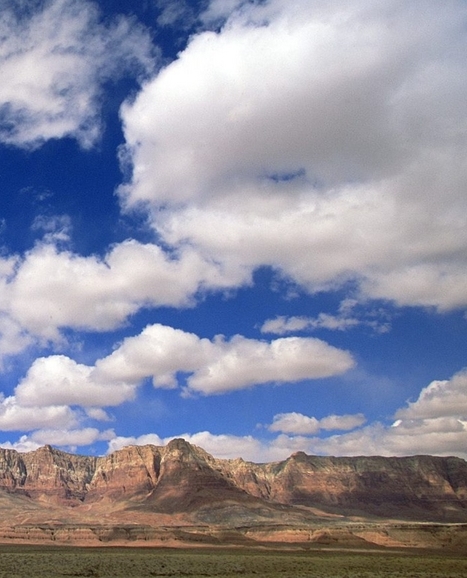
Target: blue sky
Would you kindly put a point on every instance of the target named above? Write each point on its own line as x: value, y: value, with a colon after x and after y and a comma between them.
x: 239, y: 222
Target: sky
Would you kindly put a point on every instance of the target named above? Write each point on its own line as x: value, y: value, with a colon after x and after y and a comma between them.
x: 241, y: 222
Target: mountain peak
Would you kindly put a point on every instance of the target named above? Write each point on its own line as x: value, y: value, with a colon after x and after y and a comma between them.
x: 183, y: 479
x: 179, y: 444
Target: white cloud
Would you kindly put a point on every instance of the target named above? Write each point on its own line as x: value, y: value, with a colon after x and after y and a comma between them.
x: 71, y: 439
x: 159, y: 351
x: 220, y: 10
x: 342, y: 422
x: 178, y: 13
x: 309, y: 136
x: 119, y: 442
x: 219, y: 365
x: 58, y: 380
x: 281, y: 324
x: 14, y: 417
x: 378, y: 439
x: 50, y: 289
x: 440, y: 285
x: 97, y: 413
x: 222, y: 446
x: 346, y: 318
x: 44, y: 404
x: 299, y: 424
x: 436, y: 424
x: 56, y: 228
x: 24, y: 444
x: 326, y: 140
x: 226, y: 446
x: 375, y: 439
x: 58, y: 395
x: 74, y: 437
x: 243, y: 362
x: 52, y: 63
x: 442, y: 432
x: 296, y: 423
x: 439, y: 399
x: 13, y: 338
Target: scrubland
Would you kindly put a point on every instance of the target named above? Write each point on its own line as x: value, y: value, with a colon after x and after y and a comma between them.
x: 54, y: 562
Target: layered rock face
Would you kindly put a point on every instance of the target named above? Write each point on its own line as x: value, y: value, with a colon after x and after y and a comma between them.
x: 46, y: 472
x: 181, y: 478
x: 417, y: 487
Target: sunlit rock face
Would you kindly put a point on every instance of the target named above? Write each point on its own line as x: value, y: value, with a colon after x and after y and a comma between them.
x: 416, y: 487
x: 46, y: 472
x: 181, y: 479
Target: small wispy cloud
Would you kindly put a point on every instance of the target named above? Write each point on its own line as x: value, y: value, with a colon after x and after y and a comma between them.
x: 299, y: 424
x: 349, y: 315
x: 55, y: 228
x: 54, y: 59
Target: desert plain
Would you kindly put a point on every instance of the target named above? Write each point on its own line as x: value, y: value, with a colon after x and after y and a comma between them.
x: 178, y: 511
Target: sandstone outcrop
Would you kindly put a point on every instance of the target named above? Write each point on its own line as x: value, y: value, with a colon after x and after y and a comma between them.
x: 49, y: 493
x: 416, y: 487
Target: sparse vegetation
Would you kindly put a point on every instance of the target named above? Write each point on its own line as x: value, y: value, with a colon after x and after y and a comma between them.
x: 28, y: 561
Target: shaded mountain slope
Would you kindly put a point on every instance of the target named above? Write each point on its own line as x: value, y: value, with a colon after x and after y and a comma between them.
x: 184, y: 481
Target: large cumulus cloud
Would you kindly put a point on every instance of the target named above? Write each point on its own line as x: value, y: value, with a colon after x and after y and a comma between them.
x: 327, y: 140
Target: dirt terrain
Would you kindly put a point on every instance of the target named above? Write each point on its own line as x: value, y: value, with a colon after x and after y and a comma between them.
x: 180, y: 495
x: 53, y: 562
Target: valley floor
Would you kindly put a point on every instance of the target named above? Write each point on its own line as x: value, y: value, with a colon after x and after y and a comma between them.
x: 59, y: 562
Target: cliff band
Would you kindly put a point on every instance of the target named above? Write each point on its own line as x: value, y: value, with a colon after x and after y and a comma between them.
x: 181, y: 477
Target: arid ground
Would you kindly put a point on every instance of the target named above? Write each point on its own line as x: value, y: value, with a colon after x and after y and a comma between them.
x: 50, y: 562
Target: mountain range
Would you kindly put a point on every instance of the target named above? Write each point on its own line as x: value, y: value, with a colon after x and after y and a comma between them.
x: 178, y: 494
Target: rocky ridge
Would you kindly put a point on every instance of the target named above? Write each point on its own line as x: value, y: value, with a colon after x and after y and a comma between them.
x: 140, y: 490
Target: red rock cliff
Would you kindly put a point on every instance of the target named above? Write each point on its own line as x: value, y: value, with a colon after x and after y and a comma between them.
x: 181, y: 477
